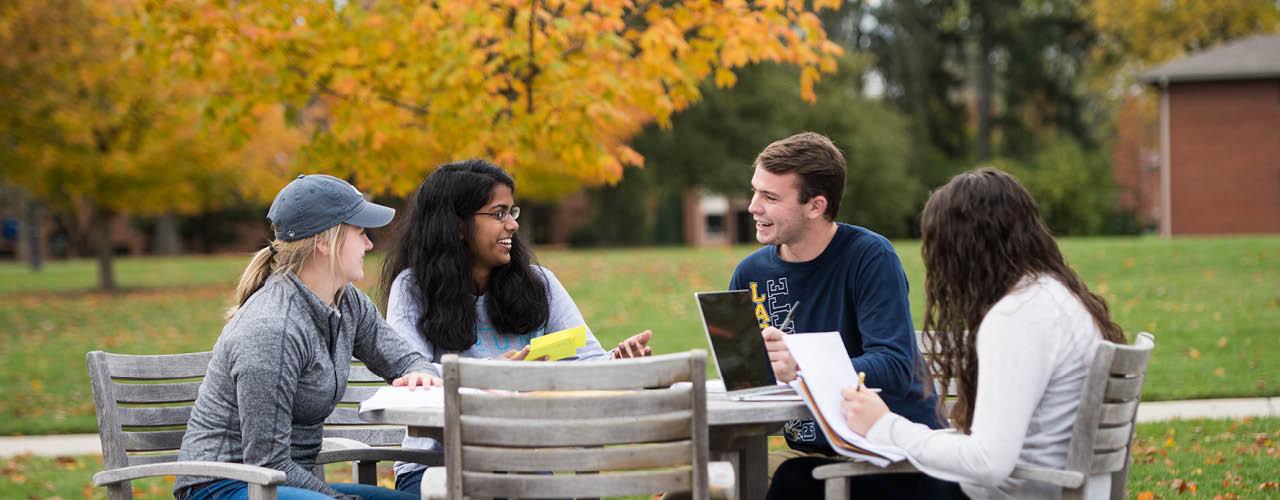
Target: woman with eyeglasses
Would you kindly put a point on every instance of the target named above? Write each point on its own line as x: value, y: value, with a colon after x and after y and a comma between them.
x: 461, y: 281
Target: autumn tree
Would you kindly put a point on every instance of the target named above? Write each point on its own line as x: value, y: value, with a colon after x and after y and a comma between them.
x: 91, y: 124
x: 551, y: 89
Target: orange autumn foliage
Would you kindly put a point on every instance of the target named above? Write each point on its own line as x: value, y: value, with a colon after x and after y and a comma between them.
x: 551, y: 89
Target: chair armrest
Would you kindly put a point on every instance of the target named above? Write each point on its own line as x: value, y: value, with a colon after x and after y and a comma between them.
x: 1064, y: 478
x: 433, y: 483
x: 851, y: 468
x: 721, y: 481
x: 251, y: 474
x: 336, y: 444
x: 424, y: 457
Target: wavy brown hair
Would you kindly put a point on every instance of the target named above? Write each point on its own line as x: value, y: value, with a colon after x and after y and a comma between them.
x: 982, y: 234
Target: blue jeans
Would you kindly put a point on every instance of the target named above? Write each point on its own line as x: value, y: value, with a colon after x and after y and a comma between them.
x: 230, y: 489
x: 410, y: 482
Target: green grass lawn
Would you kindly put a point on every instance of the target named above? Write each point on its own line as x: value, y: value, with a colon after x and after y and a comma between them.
x: 1181, y: 459
x: 1213, y: 304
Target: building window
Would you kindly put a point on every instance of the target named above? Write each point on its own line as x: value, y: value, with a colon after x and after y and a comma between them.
x: 715, y: 225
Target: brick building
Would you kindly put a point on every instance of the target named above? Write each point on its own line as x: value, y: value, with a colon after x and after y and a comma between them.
x: 1219, y: 136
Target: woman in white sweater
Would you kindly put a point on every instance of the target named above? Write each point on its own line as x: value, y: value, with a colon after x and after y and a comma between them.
x: 992, y: 268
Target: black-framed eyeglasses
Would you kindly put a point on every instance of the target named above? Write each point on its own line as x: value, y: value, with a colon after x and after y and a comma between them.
x: 501, y: 215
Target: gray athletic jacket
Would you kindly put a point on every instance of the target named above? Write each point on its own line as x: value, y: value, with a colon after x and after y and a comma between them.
x: 278, y: 370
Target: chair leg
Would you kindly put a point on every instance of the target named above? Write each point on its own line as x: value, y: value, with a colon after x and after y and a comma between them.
x: 262, y: 492
x: 365, y: 472
x: 837, y: 488
x: 120, y: 491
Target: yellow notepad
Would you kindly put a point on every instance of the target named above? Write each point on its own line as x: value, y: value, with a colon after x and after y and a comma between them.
x: 558, y: 345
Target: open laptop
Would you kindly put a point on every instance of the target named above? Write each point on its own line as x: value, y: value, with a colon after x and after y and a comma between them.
x: 733, y: 333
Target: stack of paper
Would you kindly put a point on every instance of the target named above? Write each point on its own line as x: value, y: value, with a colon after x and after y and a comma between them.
x: 824, y: 371
x: 558, y: 345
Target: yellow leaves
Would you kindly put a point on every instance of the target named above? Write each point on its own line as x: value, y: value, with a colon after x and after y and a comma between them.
x: 1222, y: 342
x: 1146, y: 495
x: 1219, y: 372
x: 725, y: 78
x: 1193, y: 353
x: 808, y: 76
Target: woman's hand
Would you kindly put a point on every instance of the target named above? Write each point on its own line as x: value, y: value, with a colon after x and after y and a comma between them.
x: 862, y: 408
x: 415, y: 379
x: 635, y: 346
x: 519, y: 355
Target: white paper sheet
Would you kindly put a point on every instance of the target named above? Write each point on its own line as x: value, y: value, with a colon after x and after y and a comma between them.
x: 403, y: 397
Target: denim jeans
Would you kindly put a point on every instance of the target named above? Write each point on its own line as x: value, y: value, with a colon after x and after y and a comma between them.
x: 230, y: 489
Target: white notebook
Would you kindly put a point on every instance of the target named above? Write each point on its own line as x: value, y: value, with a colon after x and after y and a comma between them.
x: 824, y: 371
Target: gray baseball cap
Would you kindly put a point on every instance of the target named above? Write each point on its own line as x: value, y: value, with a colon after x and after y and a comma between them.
x: 313, y: 203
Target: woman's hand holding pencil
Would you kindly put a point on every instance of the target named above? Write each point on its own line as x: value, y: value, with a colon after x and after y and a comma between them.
x: 862, y: 406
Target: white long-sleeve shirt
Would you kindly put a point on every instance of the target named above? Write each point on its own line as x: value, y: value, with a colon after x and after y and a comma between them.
x: 1034, y: 348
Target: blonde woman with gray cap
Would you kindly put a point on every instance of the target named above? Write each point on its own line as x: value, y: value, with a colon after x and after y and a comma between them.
x: 281, y: 364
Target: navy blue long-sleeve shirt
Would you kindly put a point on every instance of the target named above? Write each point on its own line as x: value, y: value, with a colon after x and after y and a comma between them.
x: 855, y: 286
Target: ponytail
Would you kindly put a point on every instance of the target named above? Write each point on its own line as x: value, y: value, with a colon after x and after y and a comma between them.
x: 253, y: 277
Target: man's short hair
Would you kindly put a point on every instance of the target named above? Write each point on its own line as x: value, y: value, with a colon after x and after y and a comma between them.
x: 816, y: 160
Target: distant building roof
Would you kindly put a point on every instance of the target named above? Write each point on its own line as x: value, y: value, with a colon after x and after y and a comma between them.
x: 1256, y: 57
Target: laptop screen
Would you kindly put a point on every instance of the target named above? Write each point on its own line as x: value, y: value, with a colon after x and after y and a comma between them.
x: 734, y: 335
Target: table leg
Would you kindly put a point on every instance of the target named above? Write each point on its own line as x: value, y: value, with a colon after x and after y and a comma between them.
x: 747, y: 448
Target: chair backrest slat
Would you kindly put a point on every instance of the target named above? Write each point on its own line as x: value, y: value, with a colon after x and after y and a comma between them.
x: 1117, y: 413
x: 490, y: 431
x: 359, y: 393
x: 488, y: 484
x: 647, y: 372
x: 164, y: 416
x: 174, y: 392
x: 1123, y: 388
x: 360, y: 373
x: 644, y: 456
x: 344, y: 416
x: 372, y: 435
x: 586, y: 404
x: 157, y: 366
x: 153, y: 441
x: 639, y: 427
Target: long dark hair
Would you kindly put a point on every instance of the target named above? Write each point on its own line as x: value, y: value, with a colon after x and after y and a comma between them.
x: 432, y: 242
x: 982, y: 234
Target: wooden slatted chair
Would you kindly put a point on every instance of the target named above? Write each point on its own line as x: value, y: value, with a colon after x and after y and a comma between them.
x: 612, y: 428
x: 1100, y: 437
x: 143, y: 403
x: 141, y: 429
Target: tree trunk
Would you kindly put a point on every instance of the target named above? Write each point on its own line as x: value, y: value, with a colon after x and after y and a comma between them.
x: 30, y: 235
x: 102, y: 219
x: 982, y: 147
x: 167, y: 240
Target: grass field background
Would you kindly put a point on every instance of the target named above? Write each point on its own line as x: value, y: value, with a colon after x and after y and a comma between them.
x: 1213, y: 305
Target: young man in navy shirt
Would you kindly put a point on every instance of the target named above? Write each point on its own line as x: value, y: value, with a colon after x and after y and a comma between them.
x: 838, y: 277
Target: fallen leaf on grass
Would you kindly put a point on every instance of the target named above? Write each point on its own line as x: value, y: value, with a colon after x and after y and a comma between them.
x: 1146, y: 495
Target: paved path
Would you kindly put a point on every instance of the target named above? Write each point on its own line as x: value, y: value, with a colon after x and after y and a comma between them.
x: 83, y: 444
